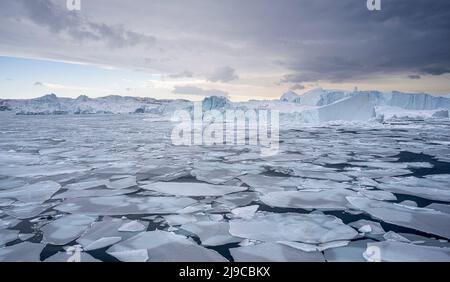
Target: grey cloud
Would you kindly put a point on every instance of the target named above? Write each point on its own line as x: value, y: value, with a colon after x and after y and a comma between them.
x: 310, y: 40
x: 194, y: 90
x: 297, y: 86
x: 38, y: 83
x: 223, y: 74
x: 414, y: 76
x: 59, y: 20
x: 183, y: 74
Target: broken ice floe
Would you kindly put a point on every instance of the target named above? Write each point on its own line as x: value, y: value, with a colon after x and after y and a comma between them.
x: 334, y: 199
x: 23, y: 252
x: 421, y: 187
x: 245, y: 212
x: 163, y: 246
x: 314, y: 248
x: 101, y: 234
x: 69, y: 257
x: 132, y: 226
x: 426, y: 220
x: 393, y: 251
x: 192, y: 189
x: 36, y: 193
x: 274, y: 252
x: 211, y: 233
x: 123, y: 205
x: 66, y: 229
x: 306, y: 228
x: 7, y: 236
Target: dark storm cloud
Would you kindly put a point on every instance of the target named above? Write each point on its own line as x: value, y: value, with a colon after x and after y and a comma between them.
x: 60, y: 20
x: 347, y: 41
x: 309, y: 40
x: 414, y: 76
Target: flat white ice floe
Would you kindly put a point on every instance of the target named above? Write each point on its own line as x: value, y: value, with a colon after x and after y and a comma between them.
x: 165, y: 246
x: 86, y: 184
x: 325, y: 199
x: 238, y: 199
x: 40, y: 170
x: 101, y: 234
x: 132, y: 226
x: 273, y: 252
x: 179, y: 219
x: 23, y: 252
x: 421, y: 187
x: 392, y: 251
x: 7, y: 236
x: 67, y: 256
x: 378, y: 195
x: 439, y: 207
x: 375, y: 227
x: 27, y: 210
x: 213, y: 173
x: 66, y: 229
x: 122, y: 205
x: 124, y: 183
x: 211, y: 233
x: 353, y: 252
x: 94, y: 193
x: 306, y: 228
x: 36, y: 193
x: 140, y: 255
x: 245, y: 212
x: 314, y: 248
x: 192, y: 189
x: 426, y: 220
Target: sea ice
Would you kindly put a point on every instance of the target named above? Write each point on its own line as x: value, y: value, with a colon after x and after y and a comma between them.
x: 314, y: 248
x: 334, y: 199
x: 66, y: 229
x: 353, y: 252
x: 375, y: 227
x: 122, y: 183
x: 192, y: 189
x: 36, y: 193
x: 426, y: 220
x: 378, y: 195
x: 420, y: 187
x: 392, y: 251
x: 245, y: 212
x: 7, y: 236
x: 211, y: 233
x: 123, y: 205
x: 101, y: 234
x: 306, y: 228
x: 132, y: 226
x: 86, y: 184
x: 165, y: 246
x: 179, y: 219
x: 273, y: 252
x: 65, y: 257
x: 23, y: 252
x: 27, y: 210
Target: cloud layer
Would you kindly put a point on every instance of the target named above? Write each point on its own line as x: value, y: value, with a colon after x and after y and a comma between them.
x: 292, y: 42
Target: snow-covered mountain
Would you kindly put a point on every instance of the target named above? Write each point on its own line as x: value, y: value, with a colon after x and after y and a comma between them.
x: 317, y: 105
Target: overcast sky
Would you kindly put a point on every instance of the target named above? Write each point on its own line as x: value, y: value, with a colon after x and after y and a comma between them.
x: 243, y: 49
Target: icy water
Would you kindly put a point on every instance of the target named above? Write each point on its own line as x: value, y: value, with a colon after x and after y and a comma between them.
x: 115, y: 188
